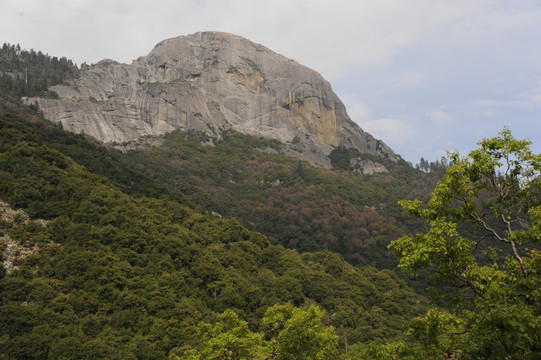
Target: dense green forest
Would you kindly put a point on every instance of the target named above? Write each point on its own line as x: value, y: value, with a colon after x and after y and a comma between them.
x: 222, y: 248
x: 31, y: 73
x: 298, y: 205
x: 113, y: 275
x: 106, y: 261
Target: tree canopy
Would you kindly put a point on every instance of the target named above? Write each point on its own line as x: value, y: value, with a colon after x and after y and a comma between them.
x: 92, y: 268
x: 105, y: 254
x: 30, y: 73
x: 481, y: 244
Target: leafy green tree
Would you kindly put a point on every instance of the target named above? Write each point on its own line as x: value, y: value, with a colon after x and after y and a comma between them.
x: 229, y: 338
x: 483, y: 230
x: 300, y: 334
x: 372, y: 351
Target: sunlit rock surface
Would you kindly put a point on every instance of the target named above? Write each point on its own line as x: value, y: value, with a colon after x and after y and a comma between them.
x: 211, y: 82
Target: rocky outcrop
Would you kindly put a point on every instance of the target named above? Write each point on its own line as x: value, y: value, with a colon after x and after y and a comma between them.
x: 210, y: 82
x: 13, y: 251
x: 367, y: 167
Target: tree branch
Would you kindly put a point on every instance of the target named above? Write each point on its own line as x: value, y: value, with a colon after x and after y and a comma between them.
x: 514, y: 248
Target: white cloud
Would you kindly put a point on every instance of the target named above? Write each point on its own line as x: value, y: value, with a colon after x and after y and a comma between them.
x: 401, y: 61
x: 489, y: 23
x: 411, y: 79
x: 357, y: 110
x: 440, y: 118
x: 527, y: 99
x: 393, y: 131
x: 328, y: 36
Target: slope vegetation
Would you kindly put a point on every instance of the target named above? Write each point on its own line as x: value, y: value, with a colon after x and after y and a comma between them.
x: 115, y: 273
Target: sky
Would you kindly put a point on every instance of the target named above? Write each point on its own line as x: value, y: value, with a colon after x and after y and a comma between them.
x: 424, y: 76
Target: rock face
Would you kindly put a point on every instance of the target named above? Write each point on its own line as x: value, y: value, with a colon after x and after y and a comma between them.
x: 210, y: 82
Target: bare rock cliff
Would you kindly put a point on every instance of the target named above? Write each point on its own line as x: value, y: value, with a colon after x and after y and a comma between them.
x: 211, y: 82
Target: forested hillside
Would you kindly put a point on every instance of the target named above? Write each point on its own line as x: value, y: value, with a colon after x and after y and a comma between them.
x: 192, y: 247
x: 102, y: 260
x: 298, y: 205
x: 97, y: 272
x: 106, y: 256
x: 31, y: 73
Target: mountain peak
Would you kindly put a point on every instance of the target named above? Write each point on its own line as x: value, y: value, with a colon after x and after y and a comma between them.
x: 211, y: 82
